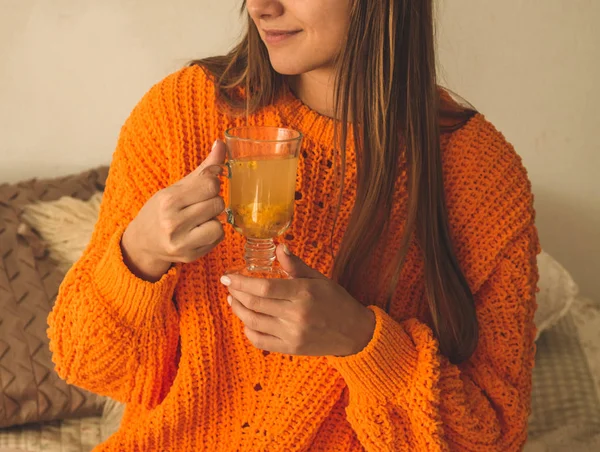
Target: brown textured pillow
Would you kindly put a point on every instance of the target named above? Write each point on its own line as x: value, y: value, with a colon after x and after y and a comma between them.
x: 30, y: 390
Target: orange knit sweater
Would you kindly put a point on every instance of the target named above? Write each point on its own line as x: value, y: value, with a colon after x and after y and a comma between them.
x: 175, y: 353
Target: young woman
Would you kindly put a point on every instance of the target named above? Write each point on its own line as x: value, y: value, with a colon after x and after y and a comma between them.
x: 408, y: 324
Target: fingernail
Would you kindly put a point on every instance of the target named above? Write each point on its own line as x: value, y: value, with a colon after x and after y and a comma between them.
x: 229, y: 299
x: 214, y: 170
x: 214, y: 146
x: 286, y: 250
x: 225, y: 280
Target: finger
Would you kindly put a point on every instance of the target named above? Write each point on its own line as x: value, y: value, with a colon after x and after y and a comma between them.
x: 264, y: 341
x: 202, y: 184
x: 295, y: 266
x: 199, y: 213
x: 206, y: 234
x: 279, y: 289
x: 274, y: 308
x: 262, y: 323
x: 195, y: 189
x: 195, y: 254
x: 216, y: 156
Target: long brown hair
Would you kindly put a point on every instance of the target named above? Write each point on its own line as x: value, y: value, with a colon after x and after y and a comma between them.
x: 391, y: 48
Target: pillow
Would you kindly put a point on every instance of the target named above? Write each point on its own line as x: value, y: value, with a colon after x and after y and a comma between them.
x: 65, y: 226
x: 557, y: 291
x: 30, y: 390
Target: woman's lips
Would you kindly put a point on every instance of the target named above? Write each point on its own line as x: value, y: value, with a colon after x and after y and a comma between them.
x: 279, y: 36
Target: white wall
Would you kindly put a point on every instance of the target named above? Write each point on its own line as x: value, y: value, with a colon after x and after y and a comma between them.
x: 71, y: 70
x: 533, y: 67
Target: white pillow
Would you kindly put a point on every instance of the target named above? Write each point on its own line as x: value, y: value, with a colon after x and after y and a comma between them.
x: 65, y: 226
x: 557, y: 291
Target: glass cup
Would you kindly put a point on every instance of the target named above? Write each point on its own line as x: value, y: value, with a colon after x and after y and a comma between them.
x: 261, y: 168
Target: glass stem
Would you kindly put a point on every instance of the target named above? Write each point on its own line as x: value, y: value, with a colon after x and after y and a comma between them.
x: 260, y: 254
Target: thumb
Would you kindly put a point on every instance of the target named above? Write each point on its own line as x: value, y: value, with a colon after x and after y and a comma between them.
x: 295, y: 266
x: 215, y: 157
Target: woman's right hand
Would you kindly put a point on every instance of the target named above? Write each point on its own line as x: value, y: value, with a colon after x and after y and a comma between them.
x: 178, y: 224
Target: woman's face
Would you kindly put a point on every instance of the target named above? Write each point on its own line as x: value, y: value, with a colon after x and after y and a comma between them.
x: 301, y: 35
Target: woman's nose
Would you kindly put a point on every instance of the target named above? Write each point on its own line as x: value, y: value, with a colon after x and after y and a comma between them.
x: 263, y: 9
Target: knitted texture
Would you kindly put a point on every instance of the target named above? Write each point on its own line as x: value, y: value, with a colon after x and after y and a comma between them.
x: 175, y: 353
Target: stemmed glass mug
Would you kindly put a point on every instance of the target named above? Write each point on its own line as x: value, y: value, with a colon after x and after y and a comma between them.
x: 261, y: 168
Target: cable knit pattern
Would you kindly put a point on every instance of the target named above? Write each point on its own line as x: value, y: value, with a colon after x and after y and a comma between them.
x: 175, y: 353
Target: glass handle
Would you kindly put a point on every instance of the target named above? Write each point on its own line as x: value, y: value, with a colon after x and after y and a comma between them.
x: 224, y: 170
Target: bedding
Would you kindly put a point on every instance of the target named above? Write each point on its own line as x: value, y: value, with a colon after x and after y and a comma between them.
x: 566, y: 384
x: 30, y: 390
x: 73, y: 435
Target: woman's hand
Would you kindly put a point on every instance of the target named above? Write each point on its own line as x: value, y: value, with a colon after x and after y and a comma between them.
x: 308, y: 315
x: 178, y: 223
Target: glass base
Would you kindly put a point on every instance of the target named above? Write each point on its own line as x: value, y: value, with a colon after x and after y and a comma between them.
x: 260, y: 261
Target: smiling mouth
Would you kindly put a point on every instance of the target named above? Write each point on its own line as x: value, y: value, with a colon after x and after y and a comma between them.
x: 278, y: 36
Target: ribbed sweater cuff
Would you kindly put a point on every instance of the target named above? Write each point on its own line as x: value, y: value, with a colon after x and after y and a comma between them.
x: 134, y: 300
x: 385, y: 366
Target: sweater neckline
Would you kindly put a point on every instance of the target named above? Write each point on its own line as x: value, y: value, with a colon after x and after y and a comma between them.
x: 316, y: 127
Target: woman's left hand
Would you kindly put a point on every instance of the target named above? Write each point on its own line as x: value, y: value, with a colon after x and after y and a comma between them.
x: 308, y: 315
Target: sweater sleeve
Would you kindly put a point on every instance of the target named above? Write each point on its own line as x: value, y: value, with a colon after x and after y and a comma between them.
x: 404, y: 392
x: 111, y: 332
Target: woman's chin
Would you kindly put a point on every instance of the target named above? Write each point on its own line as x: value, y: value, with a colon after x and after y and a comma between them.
x: 293, y: 64
x: 288, y: 65
x: 288, y: 69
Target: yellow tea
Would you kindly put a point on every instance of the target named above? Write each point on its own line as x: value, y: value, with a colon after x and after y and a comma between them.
x: 261, y: 195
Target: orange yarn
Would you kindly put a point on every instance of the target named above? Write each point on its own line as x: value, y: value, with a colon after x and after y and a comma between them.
x: 175, y: 353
